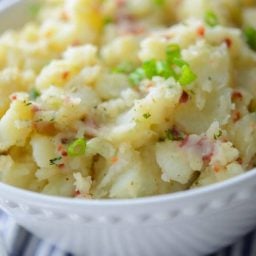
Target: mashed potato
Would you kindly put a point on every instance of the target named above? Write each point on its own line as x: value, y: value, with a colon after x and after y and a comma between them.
x: 124, y: 99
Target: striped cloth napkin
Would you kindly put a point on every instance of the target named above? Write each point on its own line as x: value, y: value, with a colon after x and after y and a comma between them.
x: 19, y: 242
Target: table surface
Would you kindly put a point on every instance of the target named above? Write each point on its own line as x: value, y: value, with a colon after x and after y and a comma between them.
x: 19, y: 242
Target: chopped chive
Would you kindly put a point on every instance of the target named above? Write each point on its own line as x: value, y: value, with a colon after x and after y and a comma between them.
x: 54, y: 160
x: 187, y: 76
x: 77, y: 148
x: 27, y: 103
x: 250, y: 36
x: 33, y: 94
x: 173, y: 52
x: 137, y: 76
x: 211, y: 19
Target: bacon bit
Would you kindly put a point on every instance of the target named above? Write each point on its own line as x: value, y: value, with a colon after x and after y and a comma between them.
x: 184, y: 97
x: 131, y: 28
x: 228, y: 42
x: 149, y: 85
x: 200, y: 31
x: 207, y: 158
x: 177, y: 3
x: 45, y: 128
x: 64, y: 153
x: 184, y: 142
x: 64, y: 140
x: 236, y: 115
x: 216, y: 168
x: 76, y: 43
x: 59, y: 148
x: 61, y: 165
x: 64, y: 16
x: 35, y: 109
x: 120, y: 3
x: 14, y: 97
x: 236, y: 96
x: 240, y: 160
x: 77, y: 193
x: 91, y: 123
x: 114, y: 160
x: 65, y: 75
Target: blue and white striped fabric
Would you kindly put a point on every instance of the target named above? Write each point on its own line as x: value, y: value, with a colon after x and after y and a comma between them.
x: 19, y: 242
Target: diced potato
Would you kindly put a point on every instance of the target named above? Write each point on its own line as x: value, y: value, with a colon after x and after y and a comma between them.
x: 60, y: 185
x: 122, y: 48
x: 210, y: 176
x: 43, y: 150
x: 173, y: 162
x: 243, y: 135
x: 148, y: 115
x: 15, y: 125
x: 217, y: 106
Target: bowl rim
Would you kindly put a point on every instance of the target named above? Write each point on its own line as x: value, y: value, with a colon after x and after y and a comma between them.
x: 155, y: 199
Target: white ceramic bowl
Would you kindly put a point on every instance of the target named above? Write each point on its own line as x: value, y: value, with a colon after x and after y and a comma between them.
x: 188, y: 223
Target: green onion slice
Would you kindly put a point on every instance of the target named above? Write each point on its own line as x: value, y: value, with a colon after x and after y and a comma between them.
x: 250, y: 36
x: 137, y: 76
x: 163, y: 69
x: 187, y: 76
x: 173, y: 51
x: 149, y: 68
x: 211, y: 19
x: 77, y: 148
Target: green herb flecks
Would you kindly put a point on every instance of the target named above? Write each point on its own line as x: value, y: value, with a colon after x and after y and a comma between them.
x: 55, y: 160
x: 147, y: 115
x: 34, y: 94
x: 217, y: 134
x: 174, y: 134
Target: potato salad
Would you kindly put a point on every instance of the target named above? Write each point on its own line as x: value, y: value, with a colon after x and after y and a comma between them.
x: 127, y: 98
